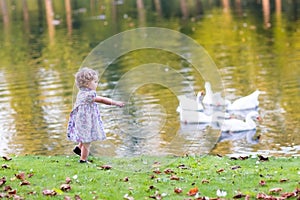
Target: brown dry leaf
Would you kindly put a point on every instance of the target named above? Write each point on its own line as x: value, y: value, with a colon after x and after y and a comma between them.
x: 152, y: 176
x: 49, y: 192
x: 178, y: 190
x: 151, y: 187
x: 5, y: 166
x: 30, y: 175
x: 182, y: 166
x: 106, y: 167
x: 2, y: 181
x: 68, y: 180
x: 205, y: 181
x: 263, y: 158
x: 7, y: 188
x: 243, y: 157
x: 32, y: 193
x: 283, y: 180
x: 65, y: 187
x: 262, y: 182
x: 173, y: 177
x: 6, y: 158
x: 24, y: 183
x: 220, y: 170
x: 168, y: 171
x: 126, y: 179
x: 235, y: 167
x: 157, y: 171
x: 77, y: 197
x: 275, y: 190
x: 239, y: 196
x: 12, y: 192
x: 20, y: 176
x: 67, y: 198
x: 288, y: 195
x: 193, y: 191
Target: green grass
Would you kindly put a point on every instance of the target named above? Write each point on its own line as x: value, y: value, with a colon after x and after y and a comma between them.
x: 136, y: 177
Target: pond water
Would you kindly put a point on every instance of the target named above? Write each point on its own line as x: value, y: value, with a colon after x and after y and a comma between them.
x: 254, y: 45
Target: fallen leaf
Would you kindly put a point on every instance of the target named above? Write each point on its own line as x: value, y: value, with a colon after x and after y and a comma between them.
x: 2, y: 181
x: 65, y: 187
x: 220, y: 170
x: 193, y: 191
x: 68, y: 180
x: 178, y: 190
x: 239, y: 196
x: 173, y: 177
x: 262, y: 182
x: 235, y: 167
x: 243, y: 157
x: 157, y: 171
x: 30, y: 175
x: 20, y: 176
x: 6, y: 158
x: 275, y: 190
x: 7, y: 188
x: 182, y: 166
x: 5, y: 166
x: 32, y: 193
x: 168, y: 171
x: 77, y: 197
x: 49, y: 192
x: 106, y: 167
x: 24, y: 183
x: 205, y: 181
x: 152, y: 176
x: 151, y: 187
x: 262, y: 158
x: 283, y: 180
x: 126, y: 179
x: 12, y: 192
x: 288, y: 195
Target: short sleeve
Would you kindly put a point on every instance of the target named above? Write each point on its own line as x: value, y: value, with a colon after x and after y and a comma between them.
x: 91, y: 96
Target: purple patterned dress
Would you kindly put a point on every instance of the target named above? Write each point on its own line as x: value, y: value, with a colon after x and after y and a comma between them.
x: 85, y: 124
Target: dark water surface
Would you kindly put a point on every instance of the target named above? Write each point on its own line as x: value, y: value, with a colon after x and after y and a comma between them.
x: 254, y: 47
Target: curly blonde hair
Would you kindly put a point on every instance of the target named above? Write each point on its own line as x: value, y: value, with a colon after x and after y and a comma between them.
x: 84, y: 76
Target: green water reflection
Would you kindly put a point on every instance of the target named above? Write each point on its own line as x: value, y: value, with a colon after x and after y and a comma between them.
x: 255, y: 45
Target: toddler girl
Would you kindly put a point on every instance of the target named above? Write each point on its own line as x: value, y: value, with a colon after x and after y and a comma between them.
x: 85, y: 124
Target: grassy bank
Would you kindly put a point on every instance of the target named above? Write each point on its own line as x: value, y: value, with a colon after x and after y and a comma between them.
x: 189, y: 177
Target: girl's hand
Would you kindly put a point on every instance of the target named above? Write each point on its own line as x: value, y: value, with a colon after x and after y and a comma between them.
x: 120, y: 103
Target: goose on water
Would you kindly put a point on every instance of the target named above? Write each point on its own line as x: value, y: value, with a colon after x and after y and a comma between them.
x: 236, y: 125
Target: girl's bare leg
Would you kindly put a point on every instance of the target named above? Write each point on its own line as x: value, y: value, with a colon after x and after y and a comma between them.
x: 85, y: 149
x: 80, y: 145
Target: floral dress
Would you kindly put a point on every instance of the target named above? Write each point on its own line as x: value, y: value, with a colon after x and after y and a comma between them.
x: 85, y: 124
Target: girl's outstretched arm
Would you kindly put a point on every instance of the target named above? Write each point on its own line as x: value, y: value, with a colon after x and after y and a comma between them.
x: 108, y: 101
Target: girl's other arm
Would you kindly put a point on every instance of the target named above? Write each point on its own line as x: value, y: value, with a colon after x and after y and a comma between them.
x: 108, y: 101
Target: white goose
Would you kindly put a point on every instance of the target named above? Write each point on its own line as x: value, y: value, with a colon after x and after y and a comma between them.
x: 244, y: 103
x: 236, y: 125
x: 215, y: 99
x: 210, y: 98
x: 190, y: 111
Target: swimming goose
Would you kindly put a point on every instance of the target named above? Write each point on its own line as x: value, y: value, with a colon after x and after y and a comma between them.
x: 236, y: 125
